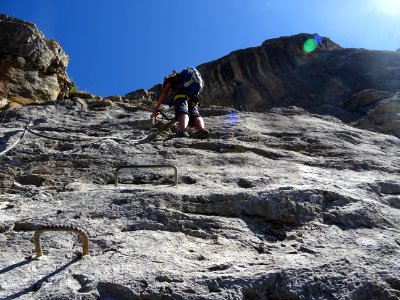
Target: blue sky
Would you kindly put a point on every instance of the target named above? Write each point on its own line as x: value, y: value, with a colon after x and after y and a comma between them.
x: 119, y: 46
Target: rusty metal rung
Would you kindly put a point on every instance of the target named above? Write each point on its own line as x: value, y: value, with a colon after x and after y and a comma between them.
x: 84, y: 236
x: 146, y: 167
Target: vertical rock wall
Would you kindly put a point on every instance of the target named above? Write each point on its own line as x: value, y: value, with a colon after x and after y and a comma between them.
x: 255, y: 78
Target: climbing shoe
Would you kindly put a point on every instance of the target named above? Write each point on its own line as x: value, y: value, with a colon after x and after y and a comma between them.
x: 182, y: 134
x: 201, y: 134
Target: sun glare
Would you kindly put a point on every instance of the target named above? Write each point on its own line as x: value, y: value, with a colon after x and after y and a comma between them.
x: 387, y: 7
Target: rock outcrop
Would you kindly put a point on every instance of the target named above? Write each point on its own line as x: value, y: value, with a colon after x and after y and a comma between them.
x: 281, y: 73
x: 32, y: 68
x: 277, y: 205
x: 382, y: 115
x: 260, y: 78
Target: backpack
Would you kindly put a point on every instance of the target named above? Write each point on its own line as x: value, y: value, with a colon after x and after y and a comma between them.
x: 191, y: 82
x: 187, y: 82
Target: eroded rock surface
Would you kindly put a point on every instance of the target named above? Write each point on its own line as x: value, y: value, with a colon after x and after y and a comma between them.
x: 383, y: 116
x: 277, y: 73
x: 277, y: 205
x: 32, y: 68
x: 329, y: 80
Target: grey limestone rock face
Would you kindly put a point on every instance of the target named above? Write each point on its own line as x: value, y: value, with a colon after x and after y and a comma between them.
x: 283, y: 204
x: 277, y: 73
x: 32, y: 68
x: 281, y: 73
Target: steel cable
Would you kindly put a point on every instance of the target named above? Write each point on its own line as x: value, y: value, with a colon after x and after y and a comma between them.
x: 18, y: 141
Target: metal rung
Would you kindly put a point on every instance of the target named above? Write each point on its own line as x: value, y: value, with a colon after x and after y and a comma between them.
x: 80, y: 231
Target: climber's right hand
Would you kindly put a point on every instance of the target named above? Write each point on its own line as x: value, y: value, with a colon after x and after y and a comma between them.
x: 154, y: 114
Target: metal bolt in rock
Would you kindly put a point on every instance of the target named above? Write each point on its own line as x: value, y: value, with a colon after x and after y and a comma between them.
x: 84, y: 236
x: 147, y: 167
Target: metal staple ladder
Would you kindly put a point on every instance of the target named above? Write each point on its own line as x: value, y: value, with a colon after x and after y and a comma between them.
x: 84, y: 236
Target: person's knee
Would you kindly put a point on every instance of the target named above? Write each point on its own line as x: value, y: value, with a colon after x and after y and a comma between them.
x: 183, y: 119
x: 198, y: 122
x: 183, y: 115
x: 198, y: 119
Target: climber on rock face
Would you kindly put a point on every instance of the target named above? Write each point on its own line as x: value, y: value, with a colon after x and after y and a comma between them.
x: 183, y: 89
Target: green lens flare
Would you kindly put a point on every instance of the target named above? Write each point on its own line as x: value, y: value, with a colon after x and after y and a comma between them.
x: 310, y: 45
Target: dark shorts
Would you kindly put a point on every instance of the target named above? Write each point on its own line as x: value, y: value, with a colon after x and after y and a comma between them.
x: 182, y: 106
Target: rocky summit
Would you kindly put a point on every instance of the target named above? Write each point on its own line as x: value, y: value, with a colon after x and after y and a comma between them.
x: 277, y: 205
x: 32, y: 68
x: 285, y: 200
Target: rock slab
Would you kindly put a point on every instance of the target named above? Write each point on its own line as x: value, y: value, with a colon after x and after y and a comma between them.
x: 276, y: 205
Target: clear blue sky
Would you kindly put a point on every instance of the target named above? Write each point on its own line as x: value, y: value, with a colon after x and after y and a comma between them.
x: 118, y: 46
